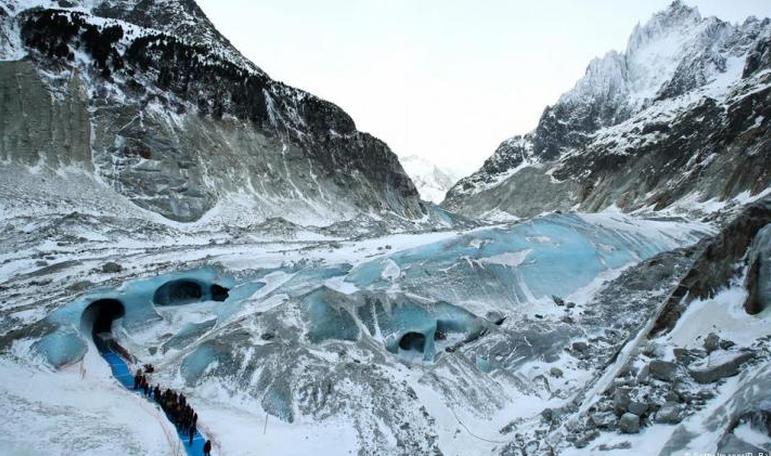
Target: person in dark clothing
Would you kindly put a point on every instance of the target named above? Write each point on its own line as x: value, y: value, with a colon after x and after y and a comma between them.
x: 191, y: 434
x: 137, y: 377
x: 207, y: 448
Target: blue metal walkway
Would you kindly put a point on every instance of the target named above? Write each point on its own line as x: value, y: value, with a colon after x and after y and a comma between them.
x: 121, y: 372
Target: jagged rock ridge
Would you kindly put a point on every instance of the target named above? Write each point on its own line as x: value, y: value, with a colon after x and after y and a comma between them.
x: 683, y: 111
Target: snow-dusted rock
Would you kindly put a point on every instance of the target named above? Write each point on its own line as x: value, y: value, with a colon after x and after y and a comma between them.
x: 629, y: 423
x: 669, y: 413
x: 711, y: 342
x: 637, y: 408
x: 759, y: 274
x: 662, y: 370
x: 717, y: 365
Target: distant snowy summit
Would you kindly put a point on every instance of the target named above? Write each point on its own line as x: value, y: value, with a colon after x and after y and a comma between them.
x: 431, y: 181
x: 681, y: 115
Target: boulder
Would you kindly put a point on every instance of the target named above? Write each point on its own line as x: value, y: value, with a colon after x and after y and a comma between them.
x: 643, y: 375
x: 637, y: 408
x: 653, y: 350
x: 629, y: 423
x: 670, y: 413
x: 711, y: 342
x: 687, y: 356
x: 583, y: 440
x: 603, y: 420
x: 625, y: 445
x: 672, y: 396
x: 662, y: 370
x: 557, y: 300
x: 580, y: 346
x: 726, y: 344
x: 111, y: 268
x: 80, y: 285
x: 621, y: 400
x: 555, y: 372
x: 719, y: 364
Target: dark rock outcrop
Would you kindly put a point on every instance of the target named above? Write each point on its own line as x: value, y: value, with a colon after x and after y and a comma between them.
x: 759, y: 273
x: 174, y: 118
x: 716, y: 262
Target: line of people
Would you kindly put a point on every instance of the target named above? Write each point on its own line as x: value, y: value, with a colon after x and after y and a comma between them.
x: 173, y: 404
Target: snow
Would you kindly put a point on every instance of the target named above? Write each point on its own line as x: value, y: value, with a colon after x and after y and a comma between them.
x: 82, y: 409
x: 724, y: 315
x: 751, y: 435
x: 238, y: 432
x: 431, y: 181
x: 269, y: 275
x: 511, y: 259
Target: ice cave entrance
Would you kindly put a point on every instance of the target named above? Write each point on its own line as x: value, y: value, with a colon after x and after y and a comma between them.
x: 100, y: 314
x: 413, y: 341
x: 98, y: 318
x: 186, y: 291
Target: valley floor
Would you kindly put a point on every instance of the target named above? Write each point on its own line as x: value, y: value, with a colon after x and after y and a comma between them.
x: 310, y: 353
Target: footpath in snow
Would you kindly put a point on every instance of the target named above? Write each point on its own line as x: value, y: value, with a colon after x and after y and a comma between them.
x: 121, y: 372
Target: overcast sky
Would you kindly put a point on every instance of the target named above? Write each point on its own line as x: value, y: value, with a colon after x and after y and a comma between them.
x: 447, y: 80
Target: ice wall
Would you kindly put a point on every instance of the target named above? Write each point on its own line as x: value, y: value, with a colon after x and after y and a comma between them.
x: 67, y: 343
x: 554, y: 255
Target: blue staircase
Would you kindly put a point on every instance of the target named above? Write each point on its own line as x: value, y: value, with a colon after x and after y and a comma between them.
x: 121, y: 372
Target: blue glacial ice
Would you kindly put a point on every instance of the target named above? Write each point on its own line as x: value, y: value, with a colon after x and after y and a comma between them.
x: 327, y: 317
x: 417, y: 302
x: 72, y: 323
x: 553, y: 255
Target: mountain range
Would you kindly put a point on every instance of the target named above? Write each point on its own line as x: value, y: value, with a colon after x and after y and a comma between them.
x: 602, y: 285
x: 682, y: 115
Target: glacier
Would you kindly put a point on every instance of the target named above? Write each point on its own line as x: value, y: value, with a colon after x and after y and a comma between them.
x: 600, y: 285
x: 438, y: 303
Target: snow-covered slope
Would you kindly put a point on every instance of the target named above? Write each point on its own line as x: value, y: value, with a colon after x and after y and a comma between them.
x: 152, y: 100
x: 682, y: 112
x: 431, y: 181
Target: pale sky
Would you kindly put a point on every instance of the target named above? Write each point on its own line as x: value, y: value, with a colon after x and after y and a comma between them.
x: 447, y: 80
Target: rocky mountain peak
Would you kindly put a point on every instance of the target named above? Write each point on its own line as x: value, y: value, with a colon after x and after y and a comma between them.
x: 678, y: 72
x: 676, y: 18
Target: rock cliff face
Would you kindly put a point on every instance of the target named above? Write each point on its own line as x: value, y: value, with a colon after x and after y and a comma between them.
x: 682, y: 113
x: 165, y: 111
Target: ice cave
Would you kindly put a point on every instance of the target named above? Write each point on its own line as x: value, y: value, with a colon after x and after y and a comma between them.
x: 99, y: 316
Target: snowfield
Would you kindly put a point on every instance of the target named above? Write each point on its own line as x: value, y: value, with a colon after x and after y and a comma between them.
x: 296, y: 306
